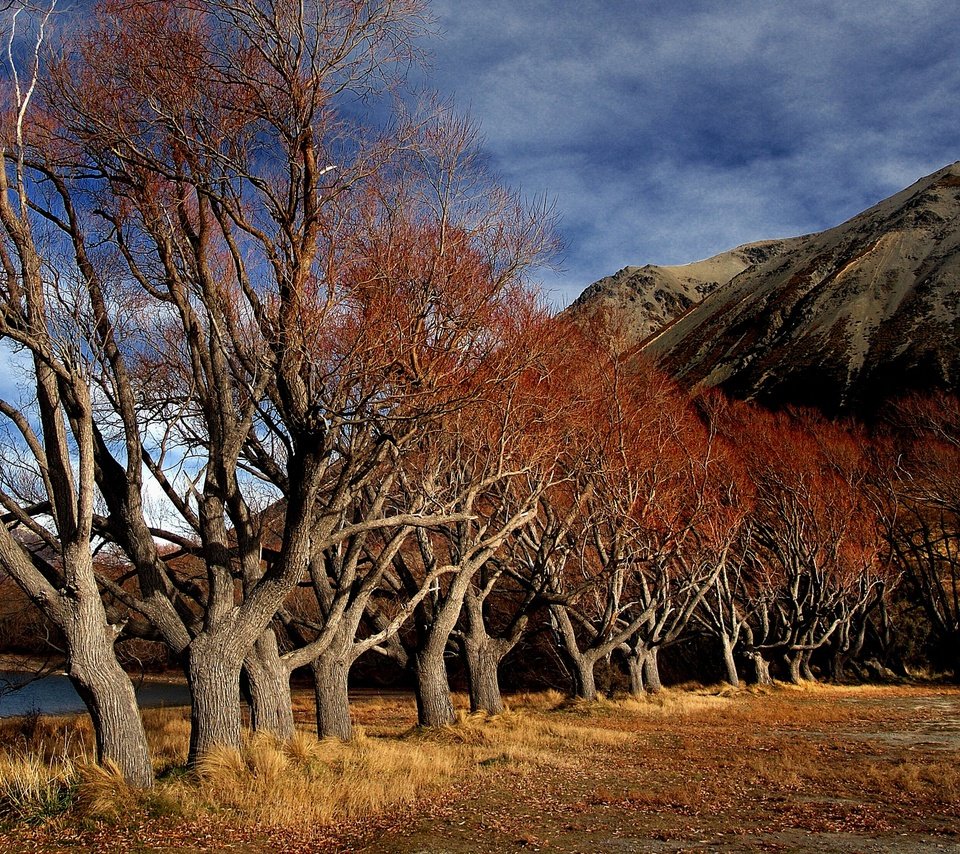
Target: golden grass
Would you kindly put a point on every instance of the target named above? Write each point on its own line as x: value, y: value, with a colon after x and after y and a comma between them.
x: 33, y: 788
x: 518, y: 738
x: 311, y: 782
x: 915, y: 779
x: 168, y: 731
x: 102, y: 792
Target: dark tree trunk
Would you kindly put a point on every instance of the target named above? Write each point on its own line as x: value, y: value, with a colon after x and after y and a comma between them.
x: 271, y: 707
x: 481, y: 655
x: 805, y: 669
x: 651, y: 671
x: 635, y: 670
x: 729, y: 663
x: 434, y: 704
x: 331, y: 672
x: 837, y: 663
x: 213, y: 673
x: 109, y: 697
x: 584, y: 680
x: 482, y: 659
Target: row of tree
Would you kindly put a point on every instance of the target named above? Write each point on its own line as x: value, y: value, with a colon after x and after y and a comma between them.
x: 287, y: 369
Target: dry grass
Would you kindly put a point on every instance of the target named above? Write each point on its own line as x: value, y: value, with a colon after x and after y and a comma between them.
x: 518, y: 738
x: 33, y: 788
x: 313, y: 782
x: 304, y: 782
x: 913, y: 779
x: 698, y: 750
x: 103, y: 793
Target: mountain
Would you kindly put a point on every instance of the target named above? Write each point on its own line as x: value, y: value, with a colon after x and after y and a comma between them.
x: 635, y: 302
x: 842, y: 319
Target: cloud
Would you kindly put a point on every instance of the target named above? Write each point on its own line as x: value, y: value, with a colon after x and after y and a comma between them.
x: 669, y: 131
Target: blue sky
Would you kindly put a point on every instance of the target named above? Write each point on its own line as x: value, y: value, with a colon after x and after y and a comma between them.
x: 669, y: 131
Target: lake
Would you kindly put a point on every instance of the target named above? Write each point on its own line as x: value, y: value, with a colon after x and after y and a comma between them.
x: 55, y: 695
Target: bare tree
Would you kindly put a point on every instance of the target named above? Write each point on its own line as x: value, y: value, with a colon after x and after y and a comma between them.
x: 242, y: 342
x: 40, y: 316
x: 262, y: 330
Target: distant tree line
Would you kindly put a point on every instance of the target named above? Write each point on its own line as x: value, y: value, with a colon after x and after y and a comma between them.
x: 286, y: 370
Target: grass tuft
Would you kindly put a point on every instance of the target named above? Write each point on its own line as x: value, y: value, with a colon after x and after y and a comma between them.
x: 102, y: 792
x: 33, y: 789
x: 307, y: 781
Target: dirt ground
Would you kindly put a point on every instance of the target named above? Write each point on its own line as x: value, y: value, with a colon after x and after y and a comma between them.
x: 800, y: 770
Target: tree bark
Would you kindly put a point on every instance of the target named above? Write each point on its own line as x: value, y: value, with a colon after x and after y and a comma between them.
x: 729, y: 663
x: 213, y: 673
x: 434, y: 704
x: 651, y: 671
x: 761, y: 669
x: 482, y: 657
x: 331, y: 672
x: 109, y: 697
x: 635, y: 670
x: 584, y: 677
x: 793, y: 663
x: 271, y: 706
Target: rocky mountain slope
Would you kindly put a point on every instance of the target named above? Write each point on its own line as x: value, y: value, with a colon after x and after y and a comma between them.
x: 842, y: 319
x: 635, y: 302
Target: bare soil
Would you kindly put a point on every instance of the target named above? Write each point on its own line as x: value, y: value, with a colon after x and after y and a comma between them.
x: 812, y: 771
x: 819, y: 769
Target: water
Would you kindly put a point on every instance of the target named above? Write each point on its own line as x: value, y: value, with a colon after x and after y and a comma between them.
x: 55, y: 695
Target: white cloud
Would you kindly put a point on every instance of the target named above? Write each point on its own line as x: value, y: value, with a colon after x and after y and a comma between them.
x: 668, y: 131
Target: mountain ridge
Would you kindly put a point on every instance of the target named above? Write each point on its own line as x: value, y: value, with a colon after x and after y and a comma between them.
x: 840, y: 319
x: 660, y: 293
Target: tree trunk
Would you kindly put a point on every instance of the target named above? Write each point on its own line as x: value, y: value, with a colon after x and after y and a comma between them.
x: 651, y: 671
x: 793, y: 663
x: 805, y: 669
x: 635, y: 669
x: 838, y: 664
x: 729, y: 663
x: 761, y: 669
x: 584, y: 678
x: 482, y: 658
x: 271, y: 707
x: 109, y: 697
x: 434, y: 704
x: 214, y: 677
x: 331, y: 672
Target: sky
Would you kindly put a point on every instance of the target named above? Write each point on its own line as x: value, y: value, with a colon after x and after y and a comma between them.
x: 667, y: 132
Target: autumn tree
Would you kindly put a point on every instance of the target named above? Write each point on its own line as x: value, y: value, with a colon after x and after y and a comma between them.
x: 490, y: 459
x: 438, y: 263
x: 696, y: 515
x: 248, y: 348
x: 922, y: 520
x: 49, y: 494
x: 815, y: 546
x: 606, y: 549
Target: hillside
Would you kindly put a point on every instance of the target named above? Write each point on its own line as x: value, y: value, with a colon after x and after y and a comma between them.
x: 636, y: 302
x: 841, y: 319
